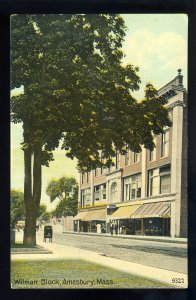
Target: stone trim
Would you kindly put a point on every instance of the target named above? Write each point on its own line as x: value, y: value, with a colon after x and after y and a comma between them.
x: 177, y: 103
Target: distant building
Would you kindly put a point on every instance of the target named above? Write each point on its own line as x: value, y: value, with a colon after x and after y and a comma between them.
x: 145, y: 193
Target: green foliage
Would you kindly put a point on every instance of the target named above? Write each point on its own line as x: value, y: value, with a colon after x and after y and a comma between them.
x: 42, y: 209
x: 76, y: 88
x: 43, y: 214
x: 65, y: 189
x: 16, y: 207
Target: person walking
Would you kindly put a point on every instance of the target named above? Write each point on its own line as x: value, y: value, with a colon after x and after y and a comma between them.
x: 111, y: 228
x: 116, y: 227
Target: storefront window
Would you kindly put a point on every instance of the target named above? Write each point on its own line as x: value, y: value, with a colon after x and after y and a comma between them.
x: 157, y: 226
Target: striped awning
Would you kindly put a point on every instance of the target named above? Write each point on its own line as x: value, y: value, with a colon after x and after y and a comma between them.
x: 94, y: 215
x: 153, y: 210
x: 124, y: 212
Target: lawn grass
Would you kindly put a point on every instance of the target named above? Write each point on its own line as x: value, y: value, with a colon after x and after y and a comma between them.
x: 21, y: 245
x: 73, y: 274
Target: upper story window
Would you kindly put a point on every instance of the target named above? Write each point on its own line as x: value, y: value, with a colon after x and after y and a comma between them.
x: 100, y: 192
x: 165, y: 143
x: 98, y: 172
x: 85, y: 177
x: 165, y: 180
x: 117, y: 159
x: 97, y: 193
x: 104, y: 191
x: 85, y: 197
x: 115, y: 162
x: 132, y: 187
x: 127, y: 157
x: 159, y: 181
x: 113, y: 192
x: 136, y: 157
x: 152, y: 153
x: 104, y: 170
x: 153, y: 182
x: 82, y: 175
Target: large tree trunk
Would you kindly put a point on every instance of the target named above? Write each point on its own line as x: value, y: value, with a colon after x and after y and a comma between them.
x: 32, y: 202
x: 30, y: 224
x: 37, y: 177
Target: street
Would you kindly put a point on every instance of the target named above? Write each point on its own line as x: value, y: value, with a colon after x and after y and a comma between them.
x: 164, y: 255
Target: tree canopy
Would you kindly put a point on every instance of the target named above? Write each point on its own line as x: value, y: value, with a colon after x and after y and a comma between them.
x: 43, y: 214
x: 16, y: 207
x: 76, y: 87
x: 66, y: 190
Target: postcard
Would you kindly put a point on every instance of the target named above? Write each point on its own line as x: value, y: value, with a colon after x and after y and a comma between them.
x: 99, y: 151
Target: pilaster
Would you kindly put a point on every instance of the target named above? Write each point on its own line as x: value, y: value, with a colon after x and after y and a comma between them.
x: 144, y: 173
x: 176, y: 161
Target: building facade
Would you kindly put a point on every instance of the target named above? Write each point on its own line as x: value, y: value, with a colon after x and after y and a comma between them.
x: 143, y: 193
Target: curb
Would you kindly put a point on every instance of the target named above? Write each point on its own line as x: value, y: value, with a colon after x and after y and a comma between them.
x: 37, y: 250
x: 131, y: 237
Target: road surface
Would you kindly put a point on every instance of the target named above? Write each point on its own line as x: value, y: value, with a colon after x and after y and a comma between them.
x: 164, y: 255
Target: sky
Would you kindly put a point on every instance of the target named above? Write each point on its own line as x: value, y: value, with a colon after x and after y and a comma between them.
x: 157, y: 44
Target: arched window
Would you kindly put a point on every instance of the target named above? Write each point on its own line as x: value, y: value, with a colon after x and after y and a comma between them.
x: 113, y: 191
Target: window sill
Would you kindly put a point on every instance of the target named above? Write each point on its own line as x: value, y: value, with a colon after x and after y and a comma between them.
x: 164, y: 157
x: 152, y: 161
x: 128, y: 165
x: 159, y: 195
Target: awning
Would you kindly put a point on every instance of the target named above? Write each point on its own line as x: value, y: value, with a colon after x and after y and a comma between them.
x: 124, y: 212
x: 153, y: 210
x: 80, y: 215
x: 94, y: 215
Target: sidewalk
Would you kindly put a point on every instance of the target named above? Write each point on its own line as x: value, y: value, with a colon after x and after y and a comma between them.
x: 60, y: 252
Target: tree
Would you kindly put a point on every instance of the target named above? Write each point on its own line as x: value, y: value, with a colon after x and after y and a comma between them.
x: 16, y: 207
x: 66, y: 190
x: 43, y: 214
x: 76, y: 89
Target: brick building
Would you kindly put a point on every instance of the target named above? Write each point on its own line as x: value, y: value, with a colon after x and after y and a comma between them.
x: 144, y: 193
